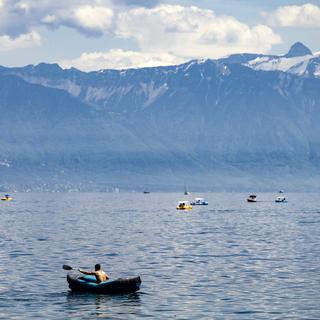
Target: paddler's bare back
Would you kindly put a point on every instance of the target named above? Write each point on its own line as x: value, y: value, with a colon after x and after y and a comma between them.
x: 98, y: 273
x: 101, y: 276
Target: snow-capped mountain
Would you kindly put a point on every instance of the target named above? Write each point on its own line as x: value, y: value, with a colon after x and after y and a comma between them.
x: 217, y: 124
x: 299, y: 60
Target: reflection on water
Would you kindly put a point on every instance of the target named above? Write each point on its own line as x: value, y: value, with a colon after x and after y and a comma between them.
x: 228, y: 260
x: 103, y: 306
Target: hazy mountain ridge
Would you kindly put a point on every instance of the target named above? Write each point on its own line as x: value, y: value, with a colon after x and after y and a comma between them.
x: 110, y: 88
x: 219, y: 124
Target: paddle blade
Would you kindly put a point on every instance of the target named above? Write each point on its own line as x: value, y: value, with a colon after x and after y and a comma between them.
x: 66, y: 267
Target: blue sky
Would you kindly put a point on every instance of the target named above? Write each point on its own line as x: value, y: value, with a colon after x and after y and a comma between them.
x: 98, y: 34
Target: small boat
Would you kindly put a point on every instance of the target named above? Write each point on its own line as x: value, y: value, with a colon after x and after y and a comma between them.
x: 146, y: 192
x: 281, y: 199
x: 6, y: 198
x: 186, y: 192
x: 252, y: 198
x: 80, y: 283
x: 184, y: 205
x: 199, y: 202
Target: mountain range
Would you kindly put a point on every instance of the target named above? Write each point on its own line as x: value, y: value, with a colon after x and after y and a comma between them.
x: 242, y: 122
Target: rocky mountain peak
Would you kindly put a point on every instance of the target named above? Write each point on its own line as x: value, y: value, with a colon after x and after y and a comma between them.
x: 298, y: 49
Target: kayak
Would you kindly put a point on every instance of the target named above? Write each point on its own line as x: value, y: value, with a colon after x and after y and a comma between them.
x: 80, y: 283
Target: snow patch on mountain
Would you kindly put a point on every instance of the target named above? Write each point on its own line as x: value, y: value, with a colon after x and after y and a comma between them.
x: 62, y: 84
x: 299, y: 61
x: 97, y: 94
x: 295, y: 65
x: 152, y: 92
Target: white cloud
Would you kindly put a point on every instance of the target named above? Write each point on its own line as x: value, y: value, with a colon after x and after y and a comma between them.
x: 22, y: 41
x: 163, y: 34
x: 192, y: 32
x: 87, y: 19
x: 171, y: 34
x: 50, y: 19
x: 307, y: 15
x: 120, y: 59
x: 96, y: 18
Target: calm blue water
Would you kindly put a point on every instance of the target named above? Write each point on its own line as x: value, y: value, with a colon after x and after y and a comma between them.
x: 228, y: 260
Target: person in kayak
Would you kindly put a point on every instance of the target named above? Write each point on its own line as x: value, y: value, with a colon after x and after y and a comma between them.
x: 98, y: 273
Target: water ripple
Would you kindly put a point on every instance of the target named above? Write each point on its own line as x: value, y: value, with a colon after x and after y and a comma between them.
x: 228, y: 260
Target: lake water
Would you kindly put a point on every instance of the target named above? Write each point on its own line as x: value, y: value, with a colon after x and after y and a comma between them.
x: 228, y: 260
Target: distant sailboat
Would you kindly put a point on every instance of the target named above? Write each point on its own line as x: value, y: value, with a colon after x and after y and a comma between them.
x: 186, y: 192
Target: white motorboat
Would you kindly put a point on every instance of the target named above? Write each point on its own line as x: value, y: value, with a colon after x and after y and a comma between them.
x: 199, y: 202
x: 281, y: 199
x: 252, y: 198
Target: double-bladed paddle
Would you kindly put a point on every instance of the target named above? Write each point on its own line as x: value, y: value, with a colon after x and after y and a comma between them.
x: 66, y: 267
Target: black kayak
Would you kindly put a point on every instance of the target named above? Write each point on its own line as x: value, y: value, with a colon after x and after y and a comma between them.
x: 80, y: 283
